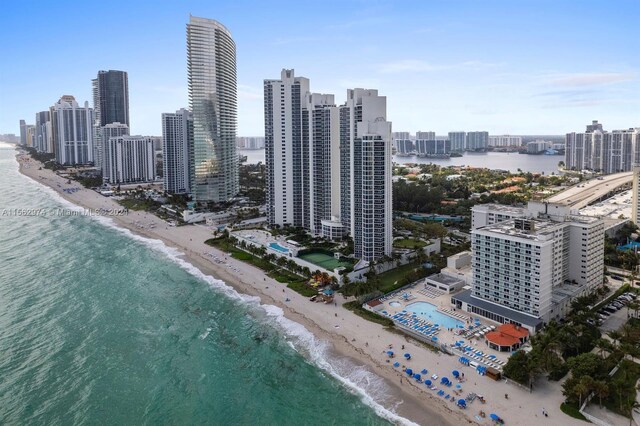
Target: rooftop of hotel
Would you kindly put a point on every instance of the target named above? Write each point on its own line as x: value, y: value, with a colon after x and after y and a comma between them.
x: 500, y: 208
x: 541, y: 231
x: 542, y: 228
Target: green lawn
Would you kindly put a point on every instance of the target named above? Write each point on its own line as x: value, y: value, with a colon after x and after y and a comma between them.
x: 293, y: 282
x: 572, y: 410
x: 409, y: 243
x: 357, y: 309
x: 388, y: 279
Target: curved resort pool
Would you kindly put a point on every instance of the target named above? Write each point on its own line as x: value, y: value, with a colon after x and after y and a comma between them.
x: 429, y: 312
x: 279, y: 248
x: 395, y: 304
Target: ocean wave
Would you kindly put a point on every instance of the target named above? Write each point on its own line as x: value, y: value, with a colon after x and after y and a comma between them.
x: 368, y: 386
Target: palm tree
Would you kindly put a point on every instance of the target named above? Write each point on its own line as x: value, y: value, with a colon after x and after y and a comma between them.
x: 615, y: 336
x: 603, y: 345
x: 601, y: 388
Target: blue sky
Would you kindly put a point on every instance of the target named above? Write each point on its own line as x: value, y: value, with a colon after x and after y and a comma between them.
x: 519, y: 67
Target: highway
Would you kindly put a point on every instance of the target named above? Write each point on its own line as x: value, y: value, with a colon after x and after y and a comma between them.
x: 585, y: 193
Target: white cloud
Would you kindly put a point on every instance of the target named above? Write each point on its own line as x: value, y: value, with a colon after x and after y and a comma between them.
x: 590, y: 79
x: 418, y: 65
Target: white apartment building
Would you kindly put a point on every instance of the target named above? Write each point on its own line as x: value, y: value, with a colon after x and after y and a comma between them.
x: 602, y: 151
x: 72, y: 132
x: 107, y: 132
x: 366, y: 168
x: 528, y: 270
x: 426, y: 135
x: 302, y: 153
x: 477, y: 141
x: 177, y: 133
x: 283, y: 105
x: 458, y: 141
x: 130, y: 159
x: 505, y: 140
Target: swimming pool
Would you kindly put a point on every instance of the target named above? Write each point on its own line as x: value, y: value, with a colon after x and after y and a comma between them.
x: 279, y: 248
x: 429, y: 312
x: 395, y: 304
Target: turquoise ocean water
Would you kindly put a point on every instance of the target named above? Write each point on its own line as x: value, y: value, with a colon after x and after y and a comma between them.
x: 98, y: 326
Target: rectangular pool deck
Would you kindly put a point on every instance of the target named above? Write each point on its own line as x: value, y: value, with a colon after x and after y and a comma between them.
x: 426, y: 314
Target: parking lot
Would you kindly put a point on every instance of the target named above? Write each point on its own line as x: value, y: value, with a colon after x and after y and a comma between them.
x: 616, y: 319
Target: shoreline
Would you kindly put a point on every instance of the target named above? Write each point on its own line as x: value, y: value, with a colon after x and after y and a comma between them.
x: 349, y: 336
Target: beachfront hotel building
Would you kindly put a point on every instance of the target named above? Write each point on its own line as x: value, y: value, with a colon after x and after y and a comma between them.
x: 129, y: 159
x: 490, y: 214
x: 177, y: 133
x: 365, y: 173
x: 635, y: 195
x: 211, y: 64
x: 23, y: 132
x: 110, y: 91
x: 528, y: 270
x: 458, y: 141
x: 112, y: 130
x: 72, y: 131
x: 602, y: 151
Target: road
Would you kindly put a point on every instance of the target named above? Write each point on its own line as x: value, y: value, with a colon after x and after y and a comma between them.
x: 584, y: 193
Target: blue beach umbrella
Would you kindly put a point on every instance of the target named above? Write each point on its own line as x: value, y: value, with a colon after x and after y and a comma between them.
x: 434, y: 338
x: 417, y: 376
x: 494, y: 416
x: 396, y: 364
x: 455, y: 373
x: 444, y: 380
x: 462, y: 402
x: 458, y: 386
x: 390, y: 353
x: 409, y: 371
x: 424, y: 371
x: 427, y: 382
x: 407, y: 356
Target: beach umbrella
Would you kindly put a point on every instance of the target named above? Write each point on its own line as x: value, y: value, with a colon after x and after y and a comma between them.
x: 494, y: 416
x: 444, y: 380
x: 434, y: 338
x: 462, y: 402
x: 455, y: 373
x: 396, y: 364
x: 424, y: 371
x: 436, y: 325
x: 458, y: 344
x: 390, y: 353
x: 417, y: 376
x: 409, y: 371
x: 407, y: 356
x: 427, y: 382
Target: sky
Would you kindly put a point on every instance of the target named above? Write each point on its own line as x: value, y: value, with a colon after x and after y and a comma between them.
x: 507, y: 67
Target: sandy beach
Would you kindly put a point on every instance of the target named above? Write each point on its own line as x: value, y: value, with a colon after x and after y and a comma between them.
x: 351, y: 336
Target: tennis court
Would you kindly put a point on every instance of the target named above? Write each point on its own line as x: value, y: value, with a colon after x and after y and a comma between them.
x: 324, y: 260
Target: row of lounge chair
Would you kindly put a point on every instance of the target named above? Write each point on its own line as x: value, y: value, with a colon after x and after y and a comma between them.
x: 430, y: 293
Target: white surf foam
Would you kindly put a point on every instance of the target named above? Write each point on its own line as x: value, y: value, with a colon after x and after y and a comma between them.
x: 369, y: 387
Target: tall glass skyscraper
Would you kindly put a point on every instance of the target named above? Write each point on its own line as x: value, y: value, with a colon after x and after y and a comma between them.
x: 211, y: 57
x: 113, y: 97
